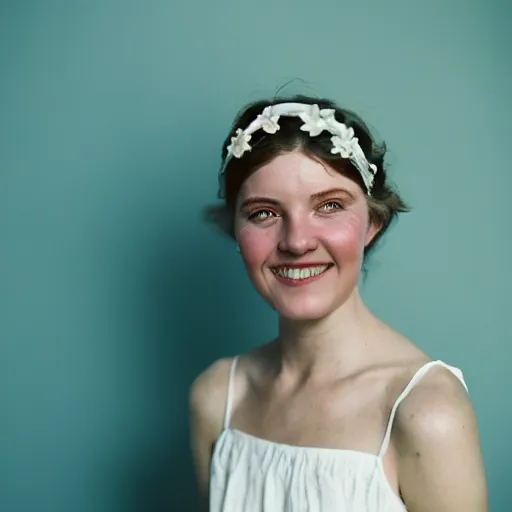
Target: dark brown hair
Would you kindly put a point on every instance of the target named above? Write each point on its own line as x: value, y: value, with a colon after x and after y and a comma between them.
x: 384, y: 203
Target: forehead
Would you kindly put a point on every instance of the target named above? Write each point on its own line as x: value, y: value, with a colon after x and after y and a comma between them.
x: 295, y: 174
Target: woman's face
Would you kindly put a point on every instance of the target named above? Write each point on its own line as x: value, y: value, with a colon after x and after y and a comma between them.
x: 302, y: 228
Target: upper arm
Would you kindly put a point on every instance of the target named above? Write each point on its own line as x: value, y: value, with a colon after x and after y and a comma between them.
x: 440, y: 464
x: 207, y: 400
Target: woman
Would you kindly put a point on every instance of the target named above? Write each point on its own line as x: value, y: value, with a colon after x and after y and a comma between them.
x: 339, y: 412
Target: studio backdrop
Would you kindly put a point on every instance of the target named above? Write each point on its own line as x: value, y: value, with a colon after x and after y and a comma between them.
x: 114, y: 292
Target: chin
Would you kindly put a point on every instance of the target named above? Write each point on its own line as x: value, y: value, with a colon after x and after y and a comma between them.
x: 311, y: 309
x: 312, y: 302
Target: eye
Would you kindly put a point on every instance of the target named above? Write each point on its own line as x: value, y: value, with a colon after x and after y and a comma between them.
x: 261, y: 215
x: 331, y: 206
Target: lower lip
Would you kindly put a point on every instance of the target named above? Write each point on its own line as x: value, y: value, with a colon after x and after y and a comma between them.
x: 300, y: 282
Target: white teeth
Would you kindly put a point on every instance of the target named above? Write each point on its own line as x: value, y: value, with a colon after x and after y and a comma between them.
x: 300, y: 273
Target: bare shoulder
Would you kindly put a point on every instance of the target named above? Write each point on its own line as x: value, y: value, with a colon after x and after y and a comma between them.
x: 208, y: 392
x: 207, y: 403
x: 440, y: 464
x: 436, y: 407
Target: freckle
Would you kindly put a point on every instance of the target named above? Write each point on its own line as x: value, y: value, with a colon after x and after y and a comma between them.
x: 417, y: 455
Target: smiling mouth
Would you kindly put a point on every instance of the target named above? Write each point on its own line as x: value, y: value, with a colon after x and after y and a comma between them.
x: 302, y: 273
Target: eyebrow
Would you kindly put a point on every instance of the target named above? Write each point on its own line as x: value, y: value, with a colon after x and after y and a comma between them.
x: 314, y: 197
x: 331, y: 192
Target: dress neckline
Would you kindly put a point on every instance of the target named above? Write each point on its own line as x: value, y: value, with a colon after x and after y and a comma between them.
x: 317, y: 451
x: 310, y: 449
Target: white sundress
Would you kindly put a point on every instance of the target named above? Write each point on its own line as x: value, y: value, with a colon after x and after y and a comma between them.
x: 250, y: 474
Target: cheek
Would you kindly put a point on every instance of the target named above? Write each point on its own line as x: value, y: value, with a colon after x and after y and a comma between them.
x: 347, y: 237
x: 256, y: 245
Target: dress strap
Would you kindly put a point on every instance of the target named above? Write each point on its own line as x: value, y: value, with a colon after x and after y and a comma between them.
x: 229, y: 398
x: 415, y: 379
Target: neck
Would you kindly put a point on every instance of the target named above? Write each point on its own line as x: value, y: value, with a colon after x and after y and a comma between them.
x: 336, y: 343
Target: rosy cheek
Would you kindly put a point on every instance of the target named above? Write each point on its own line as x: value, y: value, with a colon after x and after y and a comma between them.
x: 255, y: 244
x: 348, y: 234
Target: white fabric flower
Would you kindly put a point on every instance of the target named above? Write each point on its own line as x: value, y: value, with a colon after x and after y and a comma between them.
x: 328, y: 115
x: 343, y: 146
x: 239, y: 144
x: 268, y: 121
x: 343, y: 131
x: 313, y: 122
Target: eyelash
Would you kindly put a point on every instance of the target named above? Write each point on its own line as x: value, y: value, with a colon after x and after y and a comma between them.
x: 254, y: 215
x: 339, y: 206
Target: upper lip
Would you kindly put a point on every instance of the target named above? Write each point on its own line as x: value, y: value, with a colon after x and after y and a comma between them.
x: 302, y: 265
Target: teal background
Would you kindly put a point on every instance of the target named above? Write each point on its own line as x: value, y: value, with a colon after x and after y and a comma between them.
x: 115, y: 295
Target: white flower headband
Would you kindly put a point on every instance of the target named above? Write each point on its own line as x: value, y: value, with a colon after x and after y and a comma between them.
x: 315, y: 120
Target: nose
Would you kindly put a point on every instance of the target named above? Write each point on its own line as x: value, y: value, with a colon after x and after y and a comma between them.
x: 297, y: 237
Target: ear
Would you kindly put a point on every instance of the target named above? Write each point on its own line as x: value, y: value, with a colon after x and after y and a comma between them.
x: 373, y: 230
